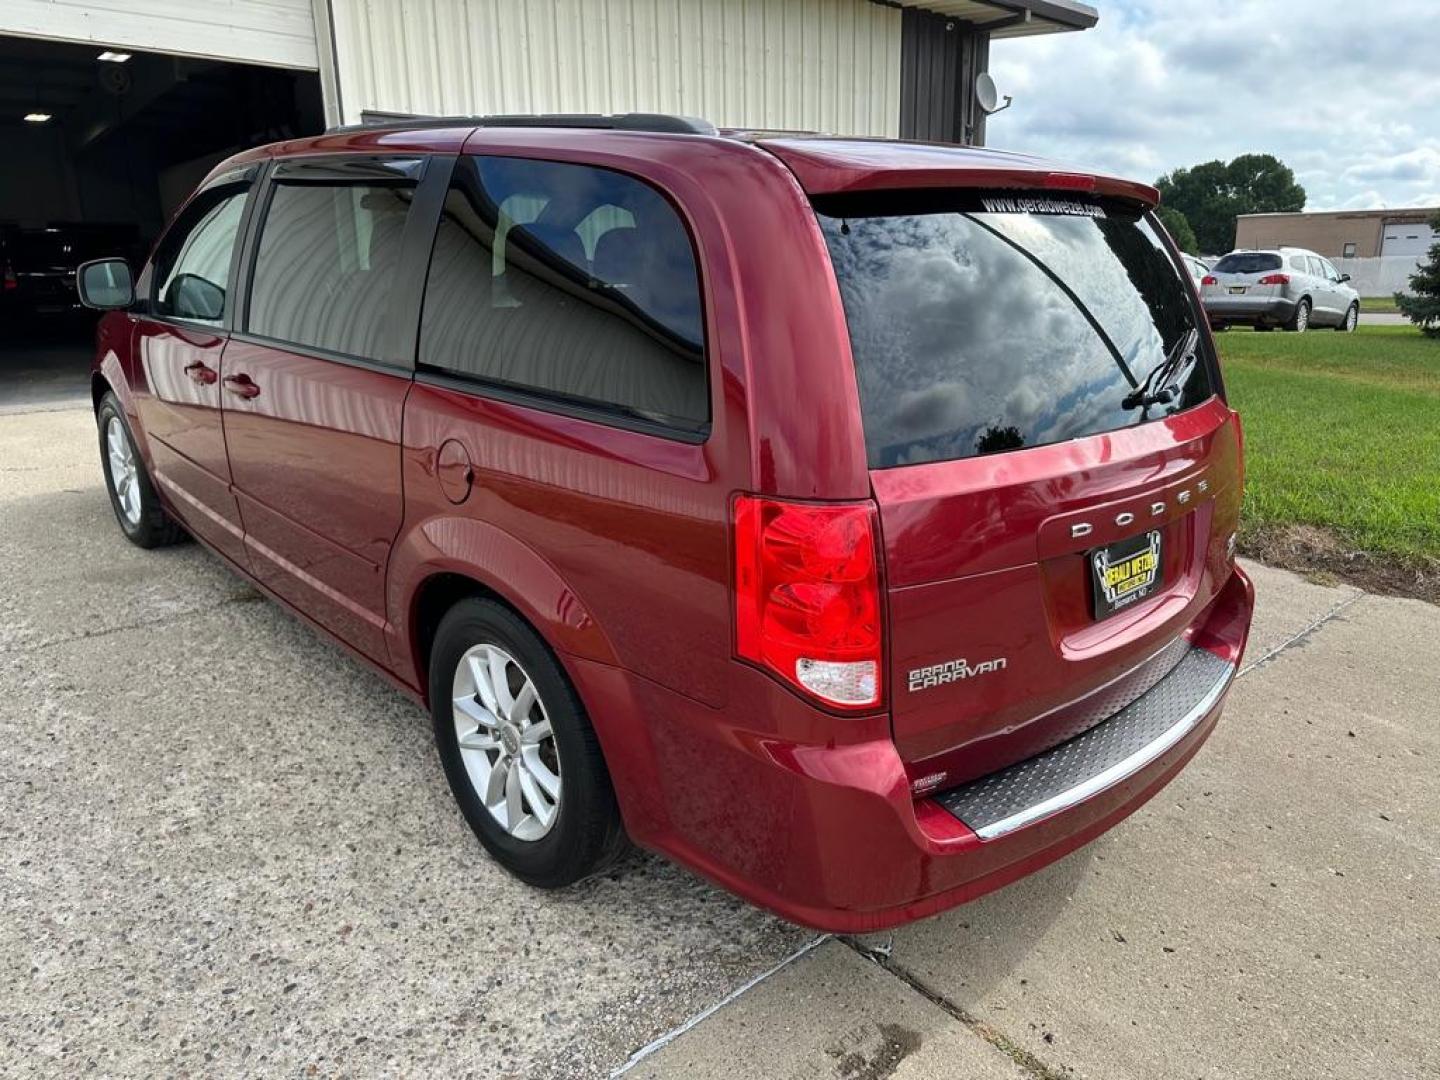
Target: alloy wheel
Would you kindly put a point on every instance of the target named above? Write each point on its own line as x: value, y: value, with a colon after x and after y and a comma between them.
x: 124, y: 476
x: 506, y: 742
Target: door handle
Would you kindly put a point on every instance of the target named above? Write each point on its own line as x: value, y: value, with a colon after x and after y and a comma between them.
x: 242, y: 386
x: 200, y: 372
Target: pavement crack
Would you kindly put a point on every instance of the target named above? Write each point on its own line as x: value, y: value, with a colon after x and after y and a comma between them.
x: 661, y: 1041
x: 139, y: 624
x: 1304, y: 636
x: 882, y: 958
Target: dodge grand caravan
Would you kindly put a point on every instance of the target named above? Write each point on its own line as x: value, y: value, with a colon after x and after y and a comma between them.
x: 852, y: 521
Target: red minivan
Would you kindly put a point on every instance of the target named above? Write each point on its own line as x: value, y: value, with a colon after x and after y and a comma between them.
x: 851, y: 520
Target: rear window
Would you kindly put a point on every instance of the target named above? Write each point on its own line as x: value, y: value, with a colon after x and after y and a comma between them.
x: 1249, y: 262
x: 980, y: 325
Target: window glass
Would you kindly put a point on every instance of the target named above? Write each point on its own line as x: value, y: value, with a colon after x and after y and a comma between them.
x: 1316, y: 270
x: 326, y: 264
x: 1297, y: 262
x: 1330, y: 271
x: 1248, y: 262
x: 1349, y: 251
x: 192, y: 268
x: 980, y: 325
x: 576, y: 282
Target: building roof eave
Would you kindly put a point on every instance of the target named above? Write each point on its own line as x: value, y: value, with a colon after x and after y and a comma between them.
x: 1013, y: 18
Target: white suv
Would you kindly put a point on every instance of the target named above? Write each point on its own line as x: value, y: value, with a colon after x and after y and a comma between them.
x: 1288, y: 287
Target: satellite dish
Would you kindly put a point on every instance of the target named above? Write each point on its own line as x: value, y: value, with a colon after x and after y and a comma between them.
x: 987, y: 97
x: 985, y: 93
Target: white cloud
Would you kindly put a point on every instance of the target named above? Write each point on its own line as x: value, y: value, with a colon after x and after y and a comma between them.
x: 1346, y: 98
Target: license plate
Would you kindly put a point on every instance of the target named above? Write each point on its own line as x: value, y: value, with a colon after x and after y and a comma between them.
x: 1237, y: 288
x: 1124, y: 573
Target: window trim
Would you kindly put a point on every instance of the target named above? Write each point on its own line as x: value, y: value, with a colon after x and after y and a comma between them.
x: 428, y: 176
x: 561, y: 405
x: 554, y: 402
x: 316, y: 352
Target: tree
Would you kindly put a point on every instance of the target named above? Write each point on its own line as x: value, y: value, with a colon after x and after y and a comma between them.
x: 1211, y: 194
x: 1423, y: 308
x: 1178, y: 226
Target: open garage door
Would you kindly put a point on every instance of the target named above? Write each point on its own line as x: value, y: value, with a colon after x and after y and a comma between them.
x: 280, y: 33
x: 98, y: 154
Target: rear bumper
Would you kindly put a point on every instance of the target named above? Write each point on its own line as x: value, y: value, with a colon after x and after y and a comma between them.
x: 1249, y: 309
x: 828, y: 834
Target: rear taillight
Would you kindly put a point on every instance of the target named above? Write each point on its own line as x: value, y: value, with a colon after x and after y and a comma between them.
x: 10, y: 280
x: 807, y: 596
x: 1275, y: 279
x: 1209, y: 279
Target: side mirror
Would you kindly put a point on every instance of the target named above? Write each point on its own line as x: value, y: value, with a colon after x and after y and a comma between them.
x: 1343, y: 278
x: 105, y: 284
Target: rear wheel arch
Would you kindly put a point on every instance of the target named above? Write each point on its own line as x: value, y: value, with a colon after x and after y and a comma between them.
x: 433, y: 598
x: 571, y: 629
x: 438, y: 560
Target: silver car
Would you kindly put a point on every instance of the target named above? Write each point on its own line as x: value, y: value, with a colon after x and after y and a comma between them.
x: 1288, y: 287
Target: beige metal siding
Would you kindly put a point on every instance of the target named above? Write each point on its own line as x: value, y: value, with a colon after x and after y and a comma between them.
x: 1326, y: 232
x: 280, y: 33
x: 827, y: 65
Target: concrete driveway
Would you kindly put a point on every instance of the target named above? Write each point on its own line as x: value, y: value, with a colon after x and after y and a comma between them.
x: 226, y: 849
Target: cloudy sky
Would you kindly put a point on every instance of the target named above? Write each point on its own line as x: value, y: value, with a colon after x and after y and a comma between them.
x: 1346, y: 93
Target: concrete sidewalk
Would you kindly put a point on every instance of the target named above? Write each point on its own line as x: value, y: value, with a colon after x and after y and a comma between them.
x: 227, y: 849
x: 1273, y: 913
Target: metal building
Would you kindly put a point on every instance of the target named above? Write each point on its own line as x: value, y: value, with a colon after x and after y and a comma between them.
x: 866, y: 67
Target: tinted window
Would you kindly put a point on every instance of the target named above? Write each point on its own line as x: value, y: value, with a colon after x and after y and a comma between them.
x: 192, y: 267
x: 575, y: 282
x: 980, y: 325
x: 326, y: 264
x: 1248, y: 262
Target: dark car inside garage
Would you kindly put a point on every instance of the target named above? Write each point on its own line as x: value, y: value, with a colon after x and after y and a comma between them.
x: 100, y: 147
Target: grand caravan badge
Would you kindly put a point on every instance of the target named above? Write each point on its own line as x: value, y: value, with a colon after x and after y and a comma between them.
x: 1125, y: 573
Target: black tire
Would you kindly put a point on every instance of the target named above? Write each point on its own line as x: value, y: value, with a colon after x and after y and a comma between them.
x: 587, y: 833
x: 1351, y: 320
x: 148, y: 526
x: 1300, y: 321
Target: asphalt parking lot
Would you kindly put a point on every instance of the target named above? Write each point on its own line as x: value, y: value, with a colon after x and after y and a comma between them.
x: 227, y: 849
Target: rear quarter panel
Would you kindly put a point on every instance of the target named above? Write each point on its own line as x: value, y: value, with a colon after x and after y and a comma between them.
x: 616, y: 543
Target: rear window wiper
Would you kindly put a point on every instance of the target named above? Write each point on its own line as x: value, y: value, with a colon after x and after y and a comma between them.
x: 1161, y: 386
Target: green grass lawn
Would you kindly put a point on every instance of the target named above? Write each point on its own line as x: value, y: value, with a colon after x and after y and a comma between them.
x: 1342, y: 432
x: 1378, y: 305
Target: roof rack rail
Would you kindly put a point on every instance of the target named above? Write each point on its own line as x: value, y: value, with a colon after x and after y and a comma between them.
x: 655, y: 122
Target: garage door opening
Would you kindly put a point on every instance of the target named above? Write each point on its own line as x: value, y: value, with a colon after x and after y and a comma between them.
x: 100, y: 146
